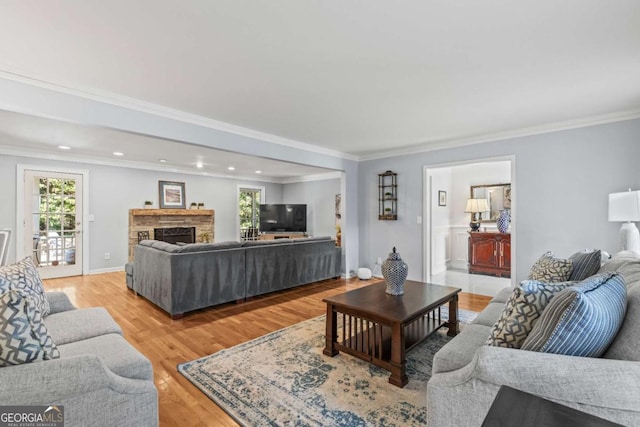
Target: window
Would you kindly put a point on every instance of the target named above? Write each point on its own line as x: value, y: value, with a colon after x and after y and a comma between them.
x: 249, y: 208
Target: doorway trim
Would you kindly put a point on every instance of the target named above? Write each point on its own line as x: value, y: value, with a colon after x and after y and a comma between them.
x: 20, y: 215
x: 426, y: 210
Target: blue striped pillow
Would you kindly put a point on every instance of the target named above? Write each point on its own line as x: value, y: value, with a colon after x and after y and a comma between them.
x: 581, y: 320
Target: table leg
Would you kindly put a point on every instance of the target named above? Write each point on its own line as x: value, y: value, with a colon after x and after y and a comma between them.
x: 453, y: 324
x: 398, y: 362
x: 331, y: 333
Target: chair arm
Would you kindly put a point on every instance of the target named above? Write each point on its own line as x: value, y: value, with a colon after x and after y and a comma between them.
x: 59, y: 301
x: 53, y: 381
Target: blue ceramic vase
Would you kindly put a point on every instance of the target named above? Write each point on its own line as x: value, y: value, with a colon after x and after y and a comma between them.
x: 503, y: 221
x: 394, y: 271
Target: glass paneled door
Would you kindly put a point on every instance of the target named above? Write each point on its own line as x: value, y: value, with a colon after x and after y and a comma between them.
x: 249, y: 209
x: 53, y: 222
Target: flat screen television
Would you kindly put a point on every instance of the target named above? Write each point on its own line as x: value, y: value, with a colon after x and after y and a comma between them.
x: 274, y: 218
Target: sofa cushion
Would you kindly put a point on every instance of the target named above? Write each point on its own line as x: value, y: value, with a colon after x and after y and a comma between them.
x: 581, y: 320
x: 489, y: 316
x: 550, y: 269
x: 24, y: 275
x: 626, y: 263
x: 119, y: 356
x: 76, y: 325
x: 585, y: 264
x: 626, y: 344
x: 59, y: 301
x: 204, y: 247
x: 23, y: 336
x: 524, y: 307
x: 189, y: 248
x: 460, y: 350
x: 503, y: 295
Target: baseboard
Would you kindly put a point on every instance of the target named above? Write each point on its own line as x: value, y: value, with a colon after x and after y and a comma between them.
x: 106, y: 270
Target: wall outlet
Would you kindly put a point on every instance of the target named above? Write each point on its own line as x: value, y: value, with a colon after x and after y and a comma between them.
x: 107, y: 255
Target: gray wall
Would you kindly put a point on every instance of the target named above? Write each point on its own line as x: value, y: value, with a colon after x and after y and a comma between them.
x: 319, y: 196
x: 113, y: 191
x: 560, y: 192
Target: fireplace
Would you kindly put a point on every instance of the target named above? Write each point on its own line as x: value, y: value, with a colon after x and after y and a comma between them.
x: 175, y: 234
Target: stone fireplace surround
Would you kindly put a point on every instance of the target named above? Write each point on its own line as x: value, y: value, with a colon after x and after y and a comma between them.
x: 143, y: 222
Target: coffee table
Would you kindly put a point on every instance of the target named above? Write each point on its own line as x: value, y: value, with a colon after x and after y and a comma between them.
x: 380, y: 328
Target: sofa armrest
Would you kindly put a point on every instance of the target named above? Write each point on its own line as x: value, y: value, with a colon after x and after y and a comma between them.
x: 54, y: 381
x: 603, y: 387
x: 59, y: 301
x: 585, y: 380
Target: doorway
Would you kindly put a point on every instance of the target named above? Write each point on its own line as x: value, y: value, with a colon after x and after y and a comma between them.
x: 249, y: 200
x: 52, y: 217
x: 447, y: 228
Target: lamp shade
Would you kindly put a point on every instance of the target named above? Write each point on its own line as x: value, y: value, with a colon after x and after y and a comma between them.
x: 477, y: 205
x: 624, y: 206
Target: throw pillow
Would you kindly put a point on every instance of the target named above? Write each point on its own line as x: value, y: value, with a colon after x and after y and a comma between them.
x: 23, y: 336
x: 550, y: 269
x: 581, y: 320
x: 585, y: 264
x: 23, y: 275
x: 523, y: 308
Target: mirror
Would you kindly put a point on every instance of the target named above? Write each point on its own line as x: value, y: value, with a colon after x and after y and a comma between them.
x: 498, y: 197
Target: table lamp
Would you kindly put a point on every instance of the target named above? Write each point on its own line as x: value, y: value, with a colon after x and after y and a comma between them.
x: 625, y: 207
x: 476, y: 206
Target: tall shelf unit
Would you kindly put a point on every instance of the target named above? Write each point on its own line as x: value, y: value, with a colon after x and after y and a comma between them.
x: 388, y: 196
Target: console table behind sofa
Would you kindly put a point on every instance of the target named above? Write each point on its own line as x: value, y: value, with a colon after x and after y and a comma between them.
x: 179, y: 279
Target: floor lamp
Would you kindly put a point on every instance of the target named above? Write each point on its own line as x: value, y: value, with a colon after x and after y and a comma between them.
x: 625, y: 207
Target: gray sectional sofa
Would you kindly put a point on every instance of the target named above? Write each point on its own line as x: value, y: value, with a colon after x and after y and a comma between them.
x: 99, y: 378
x: 179, y: 279
x: 467, y: 373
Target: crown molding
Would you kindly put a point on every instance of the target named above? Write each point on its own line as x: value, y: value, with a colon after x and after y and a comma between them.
x: 146, y: 107
x: 500, y: 136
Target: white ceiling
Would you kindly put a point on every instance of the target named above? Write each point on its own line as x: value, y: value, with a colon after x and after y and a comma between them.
x: 359, y: 77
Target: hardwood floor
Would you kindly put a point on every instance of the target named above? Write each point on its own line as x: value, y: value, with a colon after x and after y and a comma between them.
x: 169, y: 342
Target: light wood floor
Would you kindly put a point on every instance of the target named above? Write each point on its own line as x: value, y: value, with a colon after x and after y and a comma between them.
x: 169, y: 342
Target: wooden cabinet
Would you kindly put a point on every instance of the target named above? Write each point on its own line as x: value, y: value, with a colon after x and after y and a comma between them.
x: 490, y: 253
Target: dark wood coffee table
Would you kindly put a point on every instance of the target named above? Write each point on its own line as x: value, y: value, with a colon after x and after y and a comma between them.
x: 381, y: 328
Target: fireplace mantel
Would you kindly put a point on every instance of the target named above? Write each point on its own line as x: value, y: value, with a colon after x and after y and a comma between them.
x: 145, y: 220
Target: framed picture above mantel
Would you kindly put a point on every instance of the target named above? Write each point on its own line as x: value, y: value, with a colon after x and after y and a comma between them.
x: 172, y: 195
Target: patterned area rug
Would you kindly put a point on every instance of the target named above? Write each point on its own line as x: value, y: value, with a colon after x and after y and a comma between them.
x: 283, y: 379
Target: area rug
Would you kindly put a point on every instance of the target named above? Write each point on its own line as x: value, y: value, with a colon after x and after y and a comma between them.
x: 283, y: 379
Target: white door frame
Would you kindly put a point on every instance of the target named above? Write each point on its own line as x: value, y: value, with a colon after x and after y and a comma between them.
x: 20, y: 215
x: 426, y: 210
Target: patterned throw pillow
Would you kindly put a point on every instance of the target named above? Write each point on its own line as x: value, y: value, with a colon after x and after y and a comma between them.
x: 585, y: 264
x: 523, y: 308
x: 550, y: 269
x: 581, y: 320
x: 23, y: 275
x: 23, y: 336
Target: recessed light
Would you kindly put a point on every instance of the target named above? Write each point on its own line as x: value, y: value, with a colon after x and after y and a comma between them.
x: 199, y: 165
x: 117, y: 153
x: 231, y: 168
x: 163, y: 160
x: 64, y: 147
x: 258, y: 171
